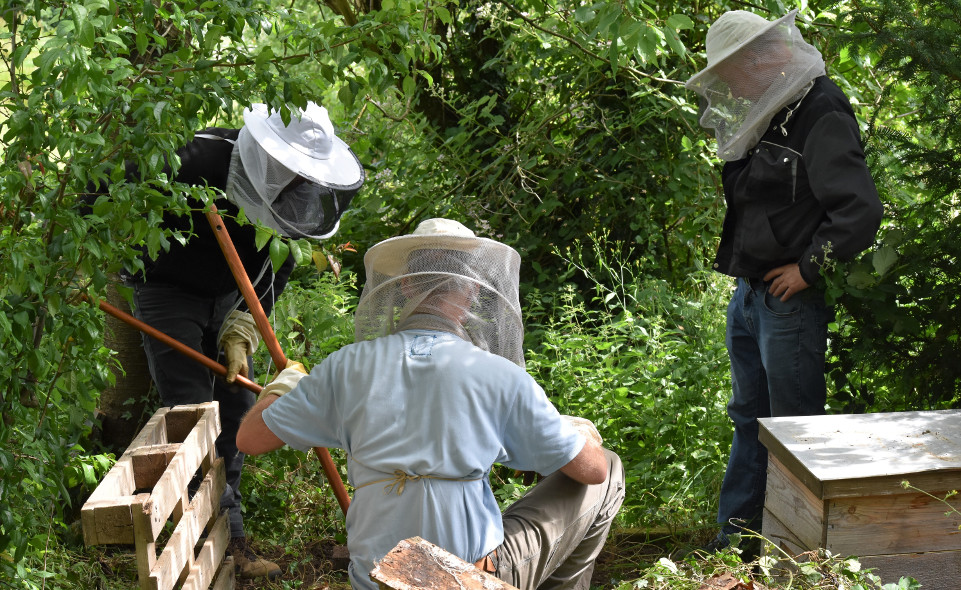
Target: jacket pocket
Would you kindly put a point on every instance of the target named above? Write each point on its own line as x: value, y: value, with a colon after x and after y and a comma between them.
x: 773, y: 174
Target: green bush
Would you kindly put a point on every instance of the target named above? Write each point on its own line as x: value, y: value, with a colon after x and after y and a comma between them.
x: 647, y: 363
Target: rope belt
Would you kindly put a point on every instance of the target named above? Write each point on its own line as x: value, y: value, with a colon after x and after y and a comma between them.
x: 399, y: 480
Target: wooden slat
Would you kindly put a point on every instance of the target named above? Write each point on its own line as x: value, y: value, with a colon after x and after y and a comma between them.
x: 224, y: 579
x: 417, y: 564
x: 110, y: 521
x: 181, y: 470
x: 154, y: 432
x: 849, y: 455
x: 778, y: 533
x: 106, y: 516
x: 181, y: 420
x: 178, y: 553
x: 211, y: 554
x: 794, y: 505
x: 882, y: 525
x: 150, y: 462
x: 936, y: 570
x: 145, y: 544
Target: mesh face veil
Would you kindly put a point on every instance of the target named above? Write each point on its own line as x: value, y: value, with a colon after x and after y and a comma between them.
x: 297, y: 179
x: 755, y: 68
x: 306, y: 210
x: 442, y: 277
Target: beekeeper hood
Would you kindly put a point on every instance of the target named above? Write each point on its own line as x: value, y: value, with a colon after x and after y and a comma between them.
x: 755, y: 67
x: 297, y: 179
x: 443, y: 277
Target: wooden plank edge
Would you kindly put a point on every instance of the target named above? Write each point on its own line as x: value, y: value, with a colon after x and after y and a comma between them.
x: 225, y: 578
x: 788, y: 459
x: 173, y: 483
x: 178, y: 552
x: 209, y: 556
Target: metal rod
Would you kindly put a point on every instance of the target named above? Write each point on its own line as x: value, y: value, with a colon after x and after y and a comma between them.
x: 270, y: 339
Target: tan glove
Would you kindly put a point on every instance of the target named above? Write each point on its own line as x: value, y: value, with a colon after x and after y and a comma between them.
x: 284, y: 381
x: 238, y: 339
x: 586, y: 428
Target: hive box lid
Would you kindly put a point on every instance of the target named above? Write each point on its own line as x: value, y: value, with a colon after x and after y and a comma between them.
x: 848, y: 455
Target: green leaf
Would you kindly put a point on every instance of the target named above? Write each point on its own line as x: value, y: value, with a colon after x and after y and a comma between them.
x: 680, y: 22
x: 295, y: 251
x: 278, y: 253
x: 860, y: 279
x: 584, y: 13
x: 674, y: 41
x: 409, y: 86
x: 261, y: 237
x: 884, y: 259
x: 158, y: 109
x: 443, y: 14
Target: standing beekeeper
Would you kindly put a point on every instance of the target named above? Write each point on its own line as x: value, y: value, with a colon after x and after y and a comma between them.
x: 431, y: 395
x: 798, y: 192
x: 296, y: 179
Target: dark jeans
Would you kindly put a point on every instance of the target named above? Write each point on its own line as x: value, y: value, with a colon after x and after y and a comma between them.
x: 195, y: 321
x: 553, y: 535
x: 777, y: 369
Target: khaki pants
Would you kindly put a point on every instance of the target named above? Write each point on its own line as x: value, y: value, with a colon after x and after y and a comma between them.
x: 553, y: 535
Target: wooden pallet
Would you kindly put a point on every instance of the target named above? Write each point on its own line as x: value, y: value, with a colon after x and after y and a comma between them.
x: 148, y: 486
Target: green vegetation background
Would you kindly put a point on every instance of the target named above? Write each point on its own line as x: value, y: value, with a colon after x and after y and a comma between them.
x: 562, y: 129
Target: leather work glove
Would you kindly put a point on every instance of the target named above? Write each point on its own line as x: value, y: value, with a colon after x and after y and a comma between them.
x: 586, y: 428
x: 284, y: 381
x: 238, y: 339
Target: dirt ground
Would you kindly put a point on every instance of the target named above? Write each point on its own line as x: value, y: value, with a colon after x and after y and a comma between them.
x: 623, y: 558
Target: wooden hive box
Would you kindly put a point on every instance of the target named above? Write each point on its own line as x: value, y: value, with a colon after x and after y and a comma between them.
x: 148, y: 485
x: 836, y: 482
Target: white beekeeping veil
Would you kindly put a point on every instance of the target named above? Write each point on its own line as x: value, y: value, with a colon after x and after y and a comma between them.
x: 444, y: 277
x: 755, y: 67
x: 297, y: 179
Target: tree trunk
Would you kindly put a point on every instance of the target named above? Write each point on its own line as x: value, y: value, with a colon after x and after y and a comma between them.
x: 125, y: 407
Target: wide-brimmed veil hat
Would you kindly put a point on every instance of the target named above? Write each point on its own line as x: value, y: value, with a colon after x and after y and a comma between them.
x: 390, y: 257
x: 731, y: 32
x: 414, y: 279
x: 755, y: 68
x: 308, y: 146
x: 270, y: 157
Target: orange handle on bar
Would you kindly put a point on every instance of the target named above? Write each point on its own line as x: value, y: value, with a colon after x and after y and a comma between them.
x: 270, y: 339
x: 326, y: 461
x: 175, y: 344
x: 246, y: 289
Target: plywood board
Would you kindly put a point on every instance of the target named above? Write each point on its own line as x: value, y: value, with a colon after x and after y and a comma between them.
x: 868, y: 454
x: 880, y: 525
x: 936, y: 570
x: 793, y: 504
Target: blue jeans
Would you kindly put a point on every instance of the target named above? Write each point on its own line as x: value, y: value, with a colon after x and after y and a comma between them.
x: 195, y: 321
x: 777, y: 369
